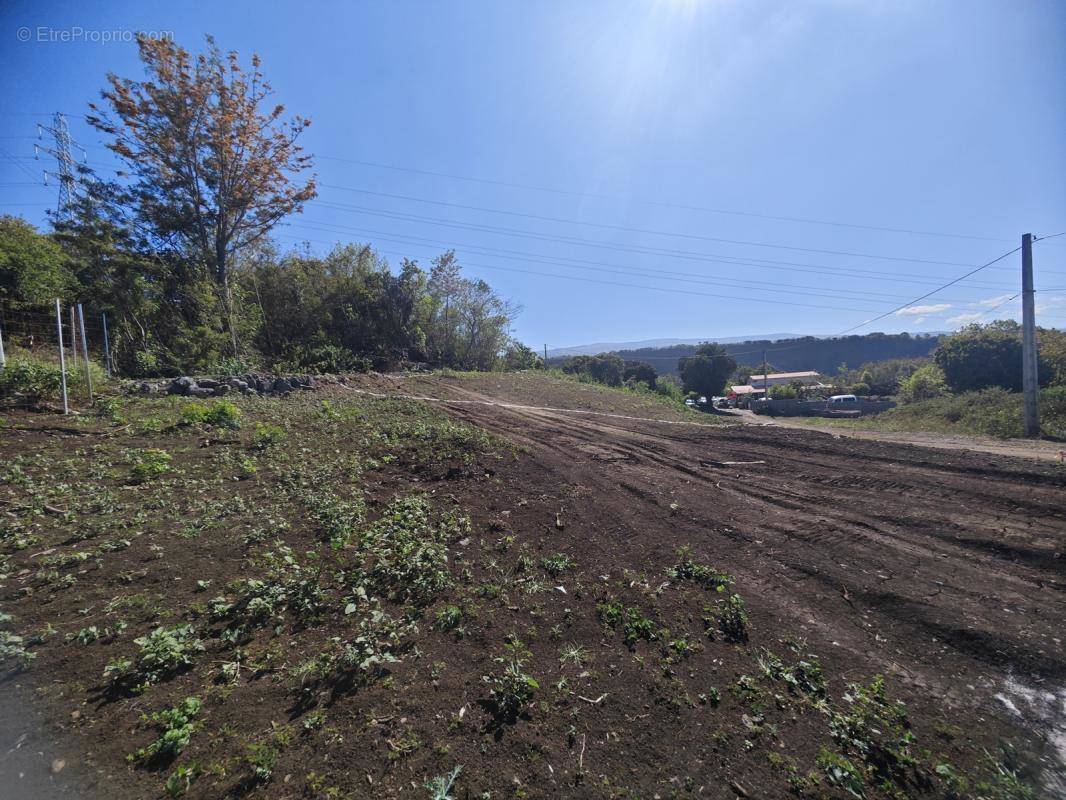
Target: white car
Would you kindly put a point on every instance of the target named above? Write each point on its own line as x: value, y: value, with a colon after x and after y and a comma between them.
x: 842, y: 401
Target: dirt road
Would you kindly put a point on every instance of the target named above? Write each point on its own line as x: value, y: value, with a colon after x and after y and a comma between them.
x: 1015, y: 448
x: 943, y: 569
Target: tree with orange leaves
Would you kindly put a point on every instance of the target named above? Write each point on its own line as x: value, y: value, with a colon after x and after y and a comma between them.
x: 212, y: 168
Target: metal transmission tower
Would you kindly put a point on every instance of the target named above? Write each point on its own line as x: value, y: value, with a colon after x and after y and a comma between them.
x: 65, y: 162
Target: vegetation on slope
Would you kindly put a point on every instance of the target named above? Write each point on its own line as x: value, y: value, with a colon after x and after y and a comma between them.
x: 342, y: 595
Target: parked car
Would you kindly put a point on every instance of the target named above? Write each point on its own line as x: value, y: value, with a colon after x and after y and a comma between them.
x: 842, y: 401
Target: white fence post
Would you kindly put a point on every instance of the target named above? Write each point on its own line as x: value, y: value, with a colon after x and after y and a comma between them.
x: 85, y: 352
x: 107, y: 345
x: 62, y: 359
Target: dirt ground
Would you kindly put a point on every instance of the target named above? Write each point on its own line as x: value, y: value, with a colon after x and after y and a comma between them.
x: 941, y: 570
x: 944, y: 569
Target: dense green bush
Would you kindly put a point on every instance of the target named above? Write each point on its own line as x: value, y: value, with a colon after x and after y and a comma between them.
x: 32, y: 380
x: 925, y: 383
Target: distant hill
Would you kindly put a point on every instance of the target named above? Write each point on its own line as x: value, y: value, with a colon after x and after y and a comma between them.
x: 614, y: 347
x: 801, y: 353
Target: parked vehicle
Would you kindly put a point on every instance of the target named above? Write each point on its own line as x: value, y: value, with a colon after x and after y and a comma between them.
x: 842, y: 401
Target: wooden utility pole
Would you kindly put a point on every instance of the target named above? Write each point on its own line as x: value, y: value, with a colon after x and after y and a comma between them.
x: 1030, y: 379
x: 545, y: 356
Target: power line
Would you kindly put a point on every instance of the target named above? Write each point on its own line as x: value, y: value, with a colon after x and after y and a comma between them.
x: 930, y: 294
x: 647, y: 288
x: 643, y: 231
x: 660, y: 204
x: 685, y: 277
x: 639, y: 249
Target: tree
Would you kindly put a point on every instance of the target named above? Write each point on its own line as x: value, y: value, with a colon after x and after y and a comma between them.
x: 640, y: 372
x: 707, y: 371
x: 925, y: 383
x: 212, y: 170
x: 33, y: 268
x: 518, y: 356
x: 982, y: 356
x: 605, y: 368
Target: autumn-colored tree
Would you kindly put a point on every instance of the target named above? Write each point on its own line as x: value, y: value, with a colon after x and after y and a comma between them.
x: 212, y: 167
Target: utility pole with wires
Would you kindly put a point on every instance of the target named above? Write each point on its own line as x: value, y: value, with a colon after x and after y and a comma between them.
x: 1030, y: 378
x: 64, y: 173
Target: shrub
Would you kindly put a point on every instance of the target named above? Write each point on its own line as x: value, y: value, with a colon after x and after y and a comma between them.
x: 924, y: 383
x: 223, y: 414
x: 30, y: 379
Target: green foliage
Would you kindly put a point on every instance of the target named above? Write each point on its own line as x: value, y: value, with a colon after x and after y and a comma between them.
x: 176, y: 725
x: 440, y: 787
x: 511, y: 688
x: 267, y: 435
x: 221, y: 413
x: 605, y: 368
x: 981, y: 357
x: 557, y: 564
x: 705, y: 575
x: 29, y: 379
x: 261, y: 757
x: 707, y: 371
x: 518, y: 356
x: 408, y: 550
x: 635, y: 626
x: 33, y: 267
x: 732, y: 617
x: 149, y: 463
x: 991, y: 412
x: 925, y: 383
x: 164, y: 651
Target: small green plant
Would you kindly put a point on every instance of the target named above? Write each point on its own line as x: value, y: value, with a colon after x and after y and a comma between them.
x: 557, y: 564
x: 164, y: 651
x: 706, y: 576
x: 511, y: 689
x: 842, y: 773
x: 221, y: 414
x: 176, y: 725
x: 261, y: 757
x: 733, y: 618
x: 180, y: 780
x: 150, y: 463
x: 440, y: 787
x: 572, y: 654
x: 266, y: 436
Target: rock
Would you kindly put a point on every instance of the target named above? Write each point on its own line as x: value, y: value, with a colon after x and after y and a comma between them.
x: 200, y: 391
x: 221, y: 390
x: 181, y: 385
x: 144, y: 387
x: 207, y: 383
x: 280, y: 386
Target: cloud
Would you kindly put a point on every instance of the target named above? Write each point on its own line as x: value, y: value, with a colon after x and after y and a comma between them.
x: 965, y: 319
x: 917, y: 311
x: 994, y: 301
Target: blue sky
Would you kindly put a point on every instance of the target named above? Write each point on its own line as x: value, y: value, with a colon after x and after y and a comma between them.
x: 565, y: 148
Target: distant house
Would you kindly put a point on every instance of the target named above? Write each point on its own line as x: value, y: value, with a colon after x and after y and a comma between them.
x: 759, y: 382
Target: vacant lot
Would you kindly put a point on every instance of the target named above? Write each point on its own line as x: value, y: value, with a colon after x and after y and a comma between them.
x: 339, y: 595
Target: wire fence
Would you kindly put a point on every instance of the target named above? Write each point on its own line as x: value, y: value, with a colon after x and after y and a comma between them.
x: 53, y: 356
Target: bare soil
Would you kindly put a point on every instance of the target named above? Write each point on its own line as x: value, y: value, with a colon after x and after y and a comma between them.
x: 941, y: 570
